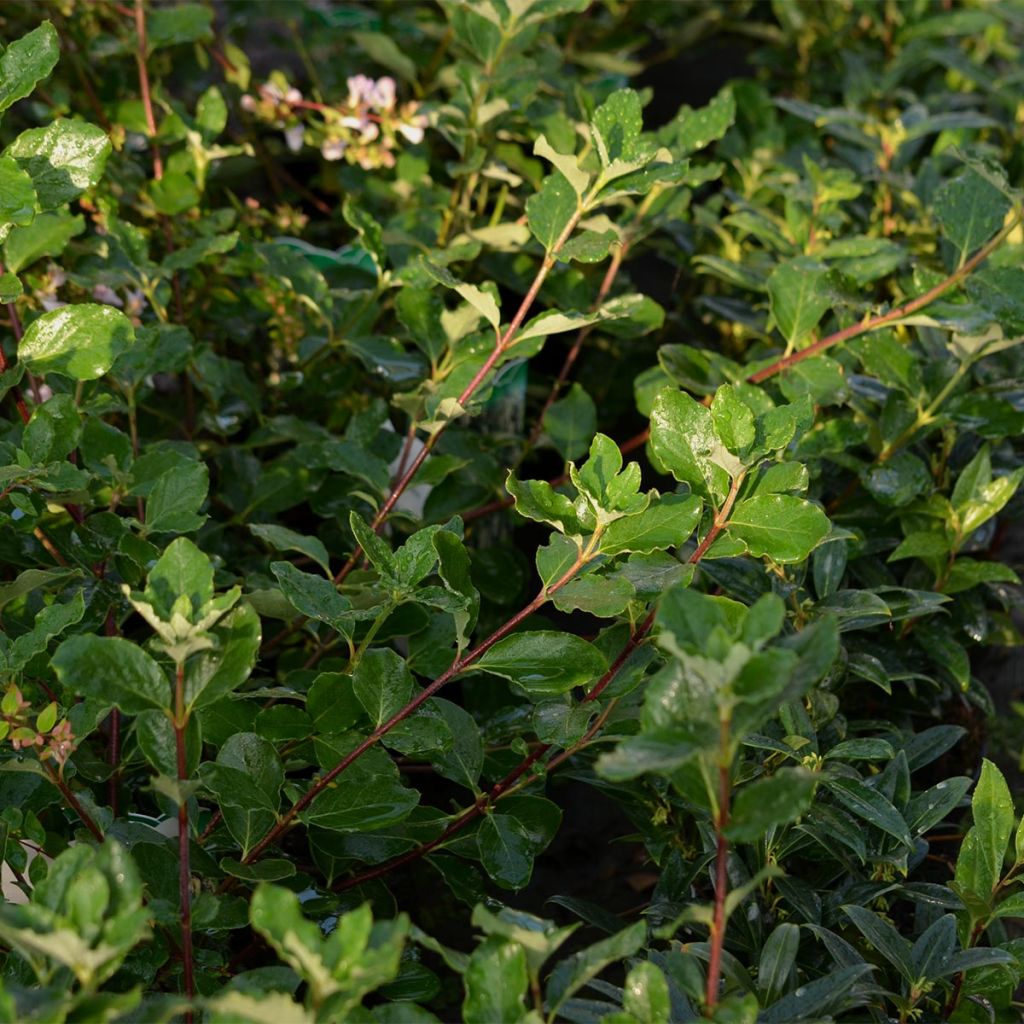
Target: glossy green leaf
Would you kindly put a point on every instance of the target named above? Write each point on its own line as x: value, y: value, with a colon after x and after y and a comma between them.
x: 871, y: 806
x: 980, y: 863
x: 684, y: 442
x: 781, y: 526
x: 770, y: 802
x: 573, y: 973
x: 550, y: 210
x: 80, y: 341
x: 506, y: 850
x: 63, y: 159
x: 174, y: 502
x: 544, y: 662
x: 496, y: 982
x: 280, y: 538
x: 969, y: 210
x: 778, y: 956
x: 665, y: 523
x: 646, y: 994
x: 382, y: 683
x: 17, y: 196
x: 798, y: 298
x: 26, y: 62
x: 884, y: 938
x: 114, y: 670
x: 571, y: 422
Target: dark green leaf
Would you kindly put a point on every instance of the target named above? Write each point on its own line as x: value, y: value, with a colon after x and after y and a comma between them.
x: 544, y: 662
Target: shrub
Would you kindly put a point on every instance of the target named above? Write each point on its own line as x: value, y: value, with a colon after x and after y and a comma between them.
x: 330, y: 586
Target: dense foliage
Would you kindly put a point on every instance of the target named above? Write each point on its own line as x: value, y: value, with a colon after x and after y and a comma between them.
x: 330, y: 588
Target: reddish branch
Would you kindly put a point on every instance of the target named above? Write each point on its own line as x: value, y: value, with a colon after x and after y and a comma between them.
x: 502, y: 788
x: 502, y: 345
x: 457, y: 667
x: 184, y: 866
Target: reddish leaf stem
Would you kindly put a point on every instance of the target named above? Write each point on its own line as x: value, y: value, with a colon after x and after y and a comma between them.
x: 459, y: 665
x: 503, y: 343
x: 502, y: 788
x: 184, y: 866
x: 573, y: 354
x: 73, y: 803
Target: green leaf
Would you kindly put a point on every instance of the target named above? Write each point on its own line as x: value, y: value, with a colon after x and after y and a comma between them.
x: 980, y: 864
x: 684, y: 442
x: 376, y: 551
x: 506, y: 850
x: 112, y: 670
x: 17, y: 196
x: 775, y: 966
x: 646, y: 995
x: 538, y: 500
x: 871, y: 806
x: 368, y: 795
x: 617, y: 126
x: 921, y: 544
x: 29, y: 580
x: 174, y: 194
x: 898, y: 481
x: 573, y: 973
x: 767, y: 803
x: 63, y: 159
x: 80, y: 341
x: 588, y: 246
x: 571, y: 422
x: 383, y: 684
x: 280, y: 538
x: 797, y: 297
x: 10, y: 288
x: 567, y: 164
x: 602, y: 596
x: 183, y: 23
x: 733, y: 420
x: 182, y: 570
x: 211, y: 674
x: 549, y: 211
x: 51, y: 621
x: 313, y: 596
x: 544, y: 662
x: 970, y: 210
x: 53, y: 431
x: 691, y: 130
x: 26, y: 62
x: 659, y: 751
x: 463, y: 762
x: 665, y: 523
x: 781, y: 526
x: 174, y: 502
x: 884, y: 938
x: 496, y: 982
x: 482, y: 301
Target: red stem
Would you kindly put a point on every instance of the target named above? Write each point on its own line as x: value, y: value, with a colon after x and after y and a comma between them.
x: 573, y: 354
x: 72, y: 801
x: 184, y: 867
x: 503, y: 343
x: 501, y: 788
x: 721, y: 877
x: 146, y: 96
x: 458, y: 666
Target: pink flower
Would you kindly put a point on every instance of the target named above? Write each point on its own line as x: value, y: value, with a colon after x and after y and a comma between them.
x: 382, y: 96
x: 360, y: 89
